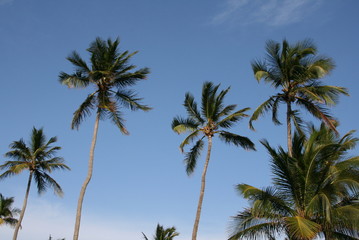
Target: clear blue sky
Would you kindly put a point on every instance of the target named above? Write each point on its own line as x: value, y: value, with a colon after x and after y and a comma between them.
x: 140, y: 180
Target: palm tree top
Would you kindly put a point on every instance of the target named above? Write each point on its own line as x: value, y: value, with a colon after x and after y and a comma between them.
x: 38, y: 157
x: 315, y: 191
x: 212, y: 118
x: 111, y: 73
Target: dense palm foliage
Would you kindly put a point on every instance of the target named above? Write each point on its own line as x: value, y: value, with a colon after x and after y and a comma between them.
x: 213, y: 118
x: 110, y: 73
x: 38, y: 157
x: 315, y: 192
x: 7, y: 212
x: 163, y: 233
x: 296, y: 71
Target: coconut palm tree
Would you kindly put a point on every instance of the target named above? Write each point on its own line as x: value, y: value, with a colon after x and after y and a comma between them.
x: 163, y: 234
x: 7, y: 212
x: 213, y: 118
x: 315, y: 192
x: 110, y: 73
x: 296, y: 71
x: 38, y: 157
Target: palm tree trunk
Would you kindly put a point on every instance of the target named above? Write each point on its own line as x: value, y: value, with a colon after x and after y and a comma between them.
x: 87, y: 180
x: 18, y: 224
x: 289, y: 129
x: 201, y: 194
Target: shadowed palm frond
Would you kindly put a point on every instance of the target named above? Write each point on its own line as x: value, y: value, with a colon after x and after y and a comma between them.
x: 237, y: 140
x: 191, y: 108
x: 130, y: 100
x: 192, y: 156
x: 83, y: 111
x: 262, y: 109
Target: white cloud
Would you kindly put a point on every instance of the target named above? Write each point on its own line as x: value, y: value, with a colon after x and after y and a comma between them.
x: 269, y: 12
x: 43, y: 218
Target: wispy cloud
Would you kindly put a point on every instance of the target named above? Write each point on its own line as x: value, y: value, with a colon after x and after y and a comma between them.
x: 3, y: 2
x: 269, y: 12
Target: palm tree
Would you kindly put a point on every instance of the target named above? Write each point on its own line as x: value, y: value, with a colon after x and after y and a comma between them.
x: 214, y: 117
x: 7, y: 212
x: 38, y: 157
x: 315, y: 192
x: 110, y: 73
x: 296, y: 70
x: 163, y: 234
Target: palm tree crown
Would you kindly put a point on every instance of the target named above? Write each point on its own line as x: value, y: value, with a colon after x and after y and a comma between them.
x: 37, y: 157
x: 296, y: 70
x: 163, y: 233
x: 7, y: 212
x: 315, y: 192
x: 110, y: 73
x: 210, y: 121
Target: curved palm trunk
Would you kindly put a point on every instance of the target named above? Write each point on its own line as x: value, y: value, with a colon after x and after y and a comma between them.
x: 87, y: 180
x: 17, y: 227
x: 201, y: 194
x: 289, y: 129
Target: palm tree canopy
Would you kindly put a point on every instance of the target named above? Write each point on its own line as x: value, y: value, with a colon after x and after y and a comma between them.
x: 163, y: 234
x: 212, y: 118
x: 7, y: 212
x: 297, y: 70
x: 38, y: 157
x: 315, y: 192
x: 110, y: 72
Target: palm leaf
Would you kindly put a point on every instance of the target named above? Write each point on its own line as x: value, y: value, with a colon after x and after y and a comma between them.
x: 237, y: 140
x: 192, y: 156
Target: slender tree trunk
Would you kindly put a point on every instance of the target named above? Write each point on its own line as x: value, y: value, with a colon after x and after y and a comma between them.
x: 22, y: 213
x: 87, y: 180
x: 201, y: 194
x: 289, y: 129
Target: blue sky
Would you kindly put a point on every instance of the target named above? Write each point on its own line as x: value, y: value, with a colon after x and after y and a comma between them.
x: 140, y: 180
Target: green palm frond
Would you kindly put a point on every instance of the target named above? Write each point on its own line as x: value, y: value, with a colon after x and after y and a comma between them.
x: 192, y: 156
x: 262, y: 109
x: 230, y: 119
x: 191, y: 108
x: 130, y: 100
x: 116, y: 117
x: 317, y: 111
x: 189, y: 139
x: 180, y: 125
x: 237, y: 140
x: 83, y: 111
x: 302, y: 228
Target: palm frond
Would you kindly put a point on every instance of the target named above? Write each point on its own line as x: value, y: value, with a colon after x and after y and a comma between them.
x: 189, y: 139
x: 228, y: 121
x: 192, y: 156
x: 83, y: 111
x: 130, y: 100
x: 180, y: 125
x: 237, y: 140
x: 261, y: 110
x: 191, y: 108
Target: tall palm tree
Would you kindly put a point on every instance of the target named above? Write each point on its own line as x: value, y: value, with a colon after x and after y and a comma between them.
x: 210, y: 121
x: 163, y: 234
x: 38, y: 157
x: 296, y: 70
x: 315, y: 192
x: 7, y: 212
x: 110, y: 73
